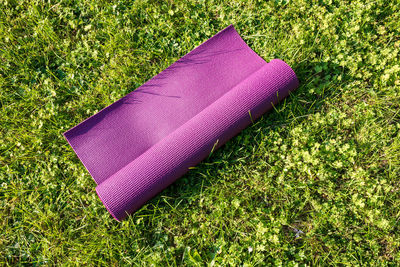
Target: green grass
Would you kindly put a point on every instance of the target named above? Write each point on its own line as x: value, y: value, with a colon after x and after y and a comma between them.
x: 326, y: 162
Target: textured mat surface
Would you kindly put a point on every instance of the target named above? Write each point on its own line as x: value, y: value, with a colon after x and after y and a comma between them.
x: 143, y: 142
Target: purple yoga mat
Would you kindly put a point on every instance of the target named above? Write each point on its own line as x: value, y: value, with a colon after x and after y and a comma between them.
x: 142, y: 143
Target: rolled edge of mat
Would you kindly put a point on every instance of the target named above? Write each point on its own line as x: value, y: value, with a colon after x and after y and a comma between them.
x: 142, y: 179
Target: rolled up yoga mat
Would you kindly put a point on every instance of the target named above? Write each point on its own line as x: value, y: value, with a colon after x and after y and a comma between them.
x: 142, y: 143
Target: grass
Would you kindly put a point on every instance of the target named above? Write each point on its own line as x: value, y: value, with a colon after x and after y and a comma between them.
x: 316, y: 181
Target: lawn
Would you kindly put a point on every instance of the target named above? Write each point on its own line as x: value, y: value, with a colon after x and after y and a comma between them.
x: 315, y: 181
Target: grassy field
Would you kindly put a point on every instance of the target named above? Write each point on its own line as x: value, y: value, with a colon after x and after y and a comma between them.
x: 316, y: 181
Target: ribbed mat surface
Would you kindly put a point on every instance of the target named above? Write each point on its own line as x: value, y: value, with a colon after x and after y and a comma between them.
x: 143, y: 142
